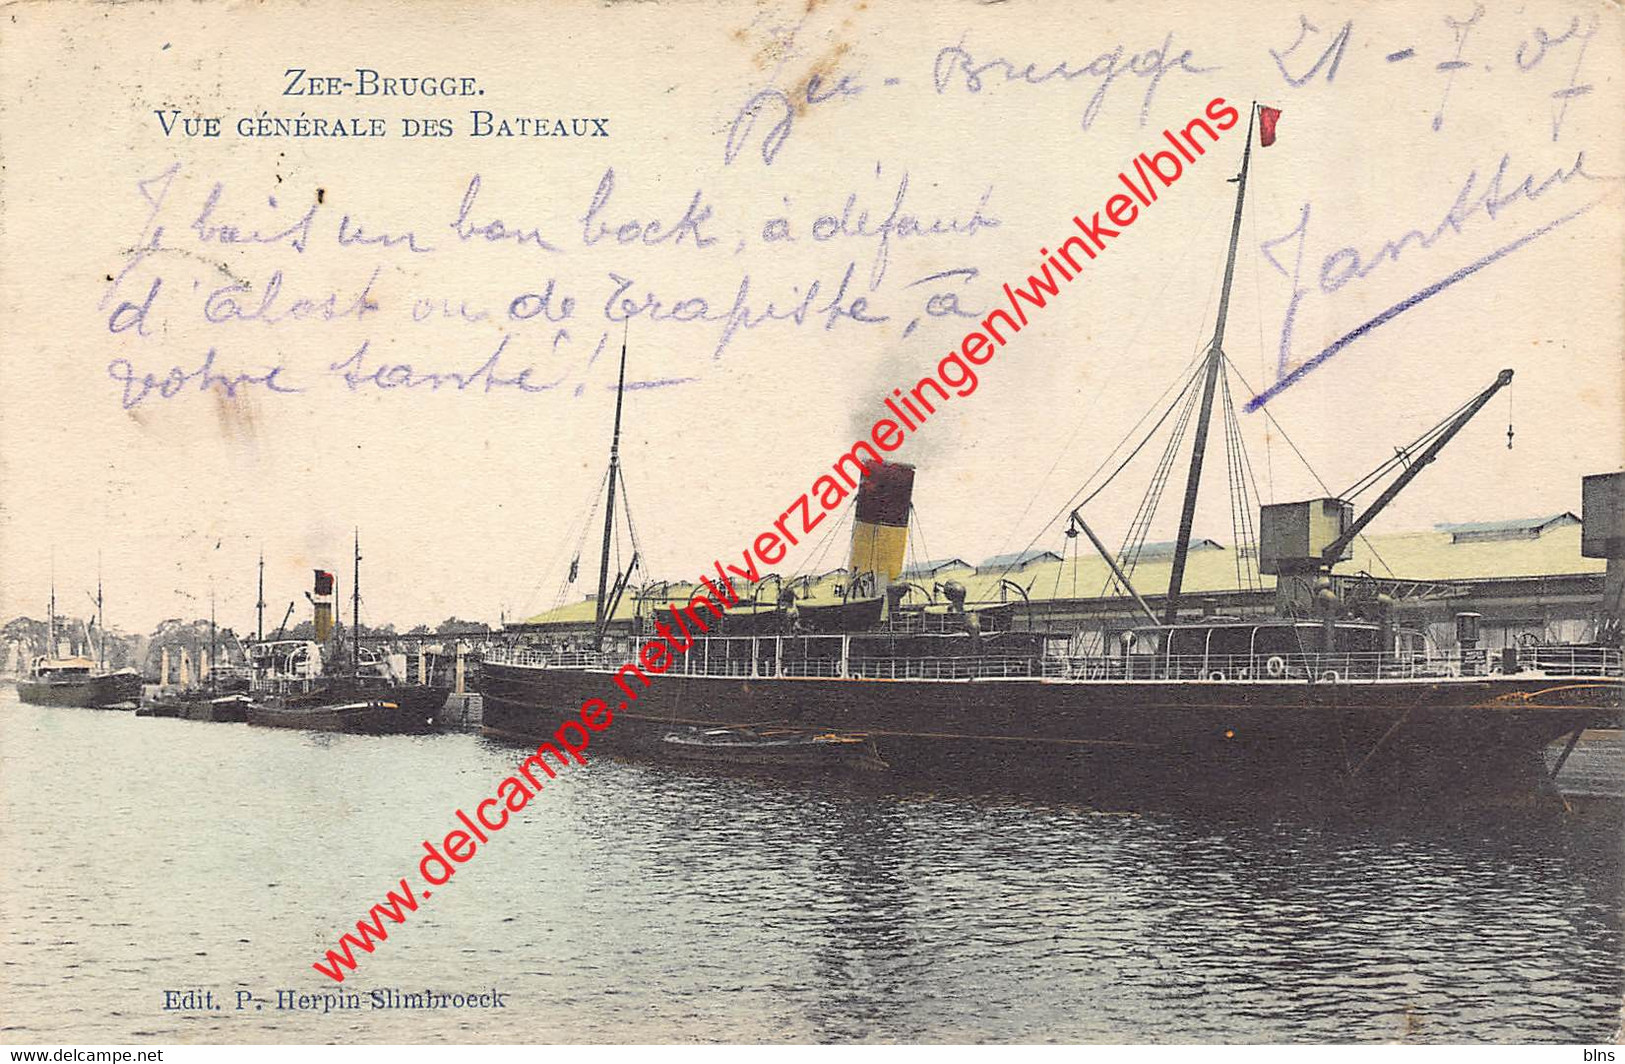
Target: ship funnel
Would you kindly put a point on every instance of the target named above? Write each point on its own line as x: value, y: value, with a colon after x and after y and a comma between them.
x: 322, y: 600
x: 880, y: 533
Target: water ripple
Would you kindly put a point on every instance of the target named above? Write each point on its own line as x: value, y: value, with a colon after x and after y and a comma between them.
x: 631, y: 902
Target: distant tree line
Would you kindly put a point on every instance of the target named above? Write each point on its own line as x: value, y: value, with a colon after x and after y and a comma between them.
x: 144, y: 652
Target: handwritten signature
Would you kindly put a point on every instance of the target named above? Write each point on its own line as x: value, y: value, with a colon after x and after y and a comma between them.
x: 1344, y: 267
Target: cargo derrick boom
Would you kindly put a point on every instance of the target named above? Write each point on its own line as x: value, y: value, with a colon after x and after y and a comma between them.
x: 1300, y: 542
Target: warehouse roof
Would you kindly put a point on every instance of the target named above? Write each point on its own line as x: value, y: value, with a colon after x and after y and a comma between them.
x: 1517, y: 528
x: 1514, y: 524
x: 1165, y: 548
x: 1422, y: 556
x: 1019, y: 560
x: 932, y: 568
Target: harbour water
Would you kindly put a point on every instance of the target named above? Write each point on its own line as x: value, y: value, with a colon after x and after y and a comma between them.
x: 633, y: 902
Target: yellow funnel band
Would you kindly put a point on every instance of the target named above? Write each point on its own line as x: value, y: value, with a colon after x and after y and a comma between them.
x: 878, y: 549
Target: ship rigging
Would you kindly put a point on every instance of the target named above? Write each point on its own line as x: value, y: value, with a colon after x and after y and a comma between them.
x: 1311, y: 702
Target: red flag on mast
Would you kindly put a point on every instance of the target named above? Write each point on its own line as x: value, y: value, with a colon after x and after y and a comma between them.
x: 1267, y: 117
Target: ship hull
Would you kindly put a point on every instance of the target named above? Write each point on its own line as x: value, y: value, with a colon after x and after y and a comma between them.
x: 382, y: 711
x: 229, y: 709
x: 1117, y: 741
x: 373, y: 717
x: 424, y: 704
x: 88, y: 692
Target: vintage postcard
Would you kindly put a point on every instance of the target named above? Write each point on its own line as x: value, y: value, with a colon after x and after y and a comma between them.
x: 824, y: 521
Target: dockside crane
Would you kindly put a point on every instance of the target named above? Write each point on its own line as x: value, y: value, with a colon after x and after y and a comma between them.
x: 1300, y: 542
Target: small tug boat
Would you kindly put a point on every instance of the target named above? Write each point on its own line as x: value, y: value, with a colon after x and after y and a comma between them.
x: 297, y: 685
x: 291, y: 690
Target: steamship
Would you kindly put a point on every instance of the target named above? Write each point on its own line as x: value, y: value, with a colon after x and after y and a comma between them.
x: 1328, y: 698
x: 296, y: 686
x: 78, y: 681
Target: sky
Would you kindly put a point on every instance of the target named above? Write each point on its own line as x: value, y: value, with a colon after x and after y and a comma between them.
x: 1426, y: 228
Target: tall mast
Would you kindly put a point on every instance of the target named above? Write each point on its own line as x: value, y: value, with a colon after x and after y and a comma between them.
x: 259, y: 607
x: 211, y: 631
x: 355, y: 607
x: 50, y: 616
x: 1215, y: 359
x: 101, y: 620
x: 609, y: 506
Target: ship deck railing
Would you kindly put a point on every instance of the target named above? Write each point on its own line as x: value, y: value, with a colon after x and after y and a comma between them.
x: 743, y: 658
x: 286, y: 685
x: 1340, y: 667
